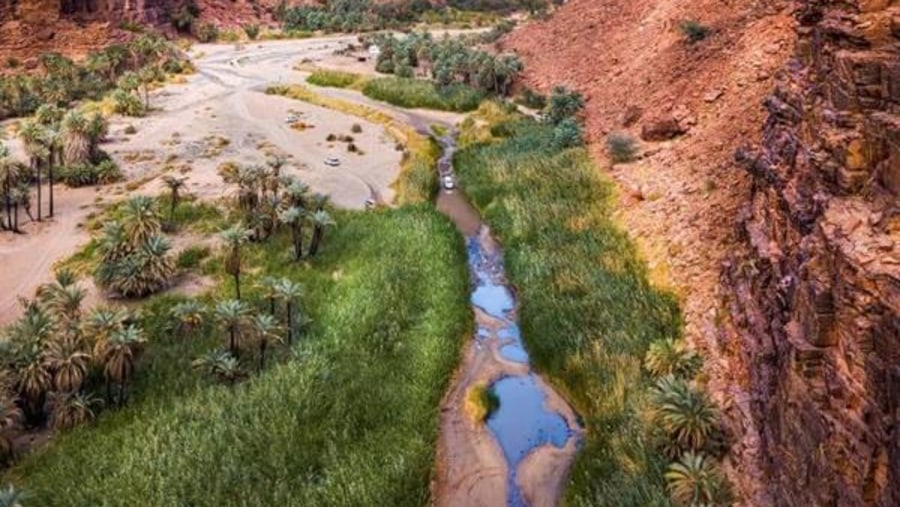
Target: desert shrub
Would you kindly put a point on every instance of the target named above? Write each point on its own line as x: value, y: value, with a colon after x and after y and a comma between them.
x: 252, y: 31
x: 206, y: 32
x: 695, y: 479
x: 130, y: 130
x: 184, y: 15
x: 693, y: 31
x: 564, y: 103
x: 567, y: 134
x: 621, y: 147
x: 356, y: 128
x: 532, y: 99
x: 127, y: 103
x: 352, y: 148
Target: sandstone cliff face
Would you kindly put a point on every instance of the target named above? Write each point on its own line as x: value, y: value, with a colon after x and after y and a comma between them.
x: 816, y: 300
x: 43, y: 12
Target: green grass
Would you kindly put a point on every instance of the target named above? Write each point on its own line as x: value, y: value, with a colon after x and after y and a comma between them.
x: 415, y: 93
x: 348, y: 417
x: 588, y: 312
x: 334, y: 79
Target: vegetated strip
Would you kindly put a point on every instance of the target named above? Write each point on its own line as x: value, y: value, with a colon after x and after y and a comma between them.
x: 587, y: 311
x: 417, y: 181
x: 347, y: 417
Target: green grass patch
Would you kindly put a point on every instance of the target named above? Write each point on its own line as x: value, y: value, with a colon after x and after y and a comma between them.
x: 588, y: 312
x: 191, y: 257
x: 335, y: 79
x: 348, y: 417
x: 415, y: 93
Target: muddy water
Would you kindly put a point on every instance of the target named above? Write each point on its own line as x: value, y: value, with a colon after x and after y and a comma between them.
x: 524, y: 422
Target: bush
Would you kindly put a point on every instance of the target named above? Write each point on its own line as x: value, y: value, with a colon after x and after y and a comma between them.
x: 130, y: 130
x: 252, y: 31
x: 207, y: 32
x: 567, y: 134
x: 621, y: 147
x: 82, y: 175
x: 532, y: 99
x: 685, y: 415
x: 184, y: 15
x: 564, y: 103
x: 191, y: 257
x: 694, y: 31
x: 356, y: 128
x: 671, y: 357
x: 127, y: 103
x: 413, y: 93
x: 333, y: 78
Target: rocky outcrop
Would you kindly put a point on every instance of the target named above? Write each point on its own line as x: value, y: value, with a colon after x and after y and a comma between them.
x: 815, y: 301
x: 43, y: 12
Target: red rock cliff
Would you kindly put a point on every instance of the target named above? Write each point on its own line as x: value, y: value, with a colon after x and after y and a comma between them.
x: 816, y: 301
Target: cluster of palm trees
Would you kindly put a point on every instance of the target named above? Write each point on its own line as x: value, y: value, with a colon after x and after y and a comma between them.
x: 56, y: 354
x: 62, y: 80
x: 448, y: 61
x: 270, y: 200
x: 687, y: 425
x: 135, y: 259
x: 244, y: 327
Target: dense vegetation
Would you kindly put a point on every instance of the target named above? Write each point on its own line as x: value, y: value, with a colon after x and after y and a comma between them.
x: 413, y: 93
x: 380, y: 324
x: 588, y: 312
x: 61, y: 81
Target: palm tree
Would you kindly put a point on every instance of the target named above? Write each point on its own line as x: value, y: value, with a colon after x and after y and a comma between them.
x: 266, y: 332
x: 147, y: 76
x: 686, y: 415
x: 294, y: 217
x: 140, y: 220
x: 119, y: 357
x: 33, y: 136
x: 320, y: 220
x: 76, y: 138
x: 11, y: 497
x: 275, y: 164
x: 11, y: 417
x: 289, y: 292
x: 54, y: 141
x: 695, y: 480
x: 189, y: 316
x: 220, y: 364
x: 9, y: 177
x: 297, y: 192
x: 232, y: 315
x: 174, y: 185
x: 100, y: 325
x: 71, y: 409
x: 269, y: 287
x: 69, y: 362
x: 235, y: 237
x: 34, y: 383
x: 320, y: 201
x: 670, y: 357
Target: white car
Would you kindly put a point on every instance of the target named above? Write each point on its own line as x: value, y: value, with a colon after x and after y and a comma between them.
x: 448, y: 183
x: 332, y: 161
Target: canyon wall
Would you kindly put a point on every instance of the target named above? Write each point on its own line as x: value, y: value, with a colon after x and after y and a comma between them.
x: 44, y: 12
x: 815, y: 300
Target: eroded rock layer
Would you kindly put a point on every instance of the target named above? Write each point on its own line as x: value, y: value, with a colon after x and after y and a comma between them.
x: 816, y: 300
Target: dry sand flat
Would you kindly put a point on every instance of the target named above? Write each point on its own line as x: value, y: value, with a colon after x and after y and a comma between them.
x: 220, y: 114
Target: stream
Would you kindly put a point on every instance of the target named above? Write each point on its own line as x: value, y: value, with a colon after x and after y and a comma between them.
x: 523, y: 423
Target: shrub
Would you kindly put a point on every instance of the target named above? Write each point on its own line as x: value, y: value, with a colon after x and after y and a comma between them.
x: 207, y: 32
x: 481, y: 402
x: 693, y: 31
x: 532, y: 99
x: 671, y: 357
x: 567, y: 134
x: 356, y: 128
x: 252, y: 31
x: 127, y: 103
x: 564, y: 103
x: 695, y: 479
x: 621, y: 147
x: 413, y: 93
x: 12, y: 62
x: 184, y: 15
x: 333, y: 78
x: 81, y: 175
x: 352, y: 148
x: 130, y: 130
x: 191, y: 257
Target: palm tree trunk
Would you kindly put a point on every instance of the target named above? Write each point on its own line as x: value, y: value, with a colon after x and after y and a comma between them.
x: 37, y: 174
x: 172, y: 209
x: 290, y: 323
x: 231, y: 344
x: 272, y: 306
x: 16, y: 217
x: 316, y: 239
x: 108, y: 391
x: 262, y: 355
x: 50, y: 176
x: 237, y: 285
x: 121, y: 394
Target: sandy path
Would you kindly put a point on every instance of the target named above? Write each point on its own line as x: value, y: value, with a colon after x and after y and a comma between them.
x: 220, y: 114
